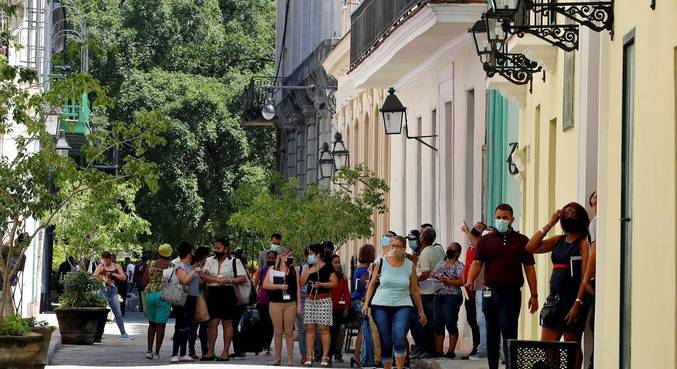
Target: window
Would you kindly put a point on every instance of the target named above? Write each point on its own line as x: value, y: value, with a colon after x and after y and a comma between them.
x: 470, y: 156
x: 537, y: 165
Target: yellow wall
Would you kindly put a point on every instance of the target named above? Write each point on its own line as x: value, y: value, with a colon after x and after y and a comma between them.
x: 654, y: 220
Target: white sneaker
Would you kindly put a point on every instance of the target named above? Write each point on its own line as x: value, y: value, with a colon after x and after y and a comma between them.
x: 174, y: 360
x: 149, y: 355
x: 186, y: 359
x: 156, y: 356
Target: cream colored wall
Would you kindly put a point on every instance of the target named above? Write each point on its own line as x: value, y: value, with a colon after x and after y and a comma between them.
x: 654, y: 323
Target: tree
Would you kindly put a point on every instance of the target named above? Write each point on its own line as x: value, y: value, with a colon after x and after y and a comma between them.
x: 36, y: 183
x: 315, y: 215
x: 89, y: 225
x: 190, y: 60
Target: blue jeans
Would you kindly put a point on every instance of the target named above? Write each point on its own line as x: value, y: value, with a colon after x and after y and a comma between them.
x: 445, y: 315
x: 185, y: 315
x: 300, y: 327
x: 392, y: 323
x: 111, y: 294
x: 482, y: 323
x: 501, y: 310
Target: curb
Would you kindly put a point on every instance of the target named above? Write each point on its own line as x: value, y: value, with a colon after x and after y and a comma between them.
x: 54, y: 346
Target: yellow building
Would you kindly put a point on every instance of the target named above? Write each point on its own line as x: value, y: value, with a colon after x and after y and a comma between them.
x: 603, y: 118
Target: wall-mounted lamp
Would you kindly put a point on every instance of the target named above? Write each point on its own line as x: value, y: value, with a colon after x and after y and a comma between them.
x: 268, y: 110
x: 62, y: 148
x: 332, y: 161
x: 395, y: 116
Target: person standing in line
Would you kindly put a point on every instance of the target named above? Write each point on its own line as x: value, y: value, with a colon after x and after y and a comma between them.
x: 503, y: 254
x: 430, y: 256
x: 221, y: 296
x: 300, y: 327
x: 139, y: 271
x: 275, y: 242
x: 473, y: 305
x: 186, y: 275
x: 199, y: 329
x: 321, y: 279
x: 365, y: 257
x: 111, y: 274
x: 589, y: 278
x: 448, y: 300
x: 391, y: 301
x: 157, y: 311
x: 282, y: 283
x: 340, y: 297
x: 263, y: 302
x: 565, y: 309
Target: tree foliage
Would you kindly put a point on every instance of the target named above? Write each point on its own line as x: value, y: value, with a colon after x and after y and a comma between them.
x: 315, y: 215
x: 189, y: 60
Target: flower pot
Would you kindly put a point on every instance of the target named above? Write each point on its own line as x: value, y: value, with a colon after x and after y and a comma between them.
x: 103, y: 316
x: 46, y: 333
x: 21, y: 352
x: 78, y: 325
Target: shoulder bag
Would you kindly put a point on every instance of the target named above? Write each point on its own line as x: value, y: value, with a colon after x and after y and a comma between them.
x: 174, y: 293
x: 378, y: 280
x: 246, y: 295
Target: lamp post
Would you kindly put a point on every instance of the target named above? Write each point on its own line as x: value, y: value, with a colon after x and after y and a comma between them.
x: 268, y: 111
x: 395, y: 115
x: 62, y: 148
x: 327, y: 166
x: 339, y: 152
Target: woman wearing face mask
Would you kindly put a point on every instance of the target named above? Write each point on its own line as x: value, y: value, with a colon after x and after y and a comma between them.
x: 321, y: 279
x: 448, y: 299
x: 564, y: 311
x: 392, y: 301
x: 340, y: 297
x: 263, y: 302
x: 282, y: 284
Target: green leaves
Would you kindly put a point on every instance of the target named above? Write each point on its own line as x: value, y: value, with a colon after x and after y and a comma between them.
x: 314, y: 215
x: 81, y: 290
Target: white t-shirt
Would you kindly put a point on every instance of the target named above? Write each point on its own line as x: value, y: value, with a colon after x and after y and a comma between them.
x: 225, y: 269
x: 130, y: 272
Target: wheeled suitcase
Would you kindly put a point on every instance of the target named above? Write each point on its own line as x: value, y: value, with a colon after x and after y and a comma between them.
x: 250, y: 328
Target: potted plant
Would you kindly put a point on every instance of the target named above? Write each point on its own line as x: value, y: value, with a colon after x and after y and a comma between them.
x: 45, y: 330
x: 81, y: 309
x: 19, y: 347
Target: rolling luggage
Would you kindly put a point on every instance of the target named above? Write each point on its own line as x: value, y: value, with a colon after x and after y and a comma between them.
x: 250, y: 328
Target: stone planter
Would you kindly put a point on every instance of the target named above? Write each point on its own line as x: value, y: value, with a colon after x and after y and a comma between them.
x: 103, y: 316
x: 78, y: 325
x: 21, y: 352
x: 46, y: 333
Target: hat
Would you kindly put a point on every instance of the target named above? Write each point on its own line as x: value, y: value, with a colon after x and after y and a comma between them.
x: 165, y: 250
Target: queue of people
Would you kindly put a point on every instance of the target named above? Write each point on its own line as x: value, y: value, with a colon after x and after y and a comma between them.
x: 416, y: 289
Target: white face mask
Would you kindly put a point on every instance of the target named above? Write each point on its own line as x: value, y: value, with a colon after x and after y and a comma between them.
x: 485, y: 232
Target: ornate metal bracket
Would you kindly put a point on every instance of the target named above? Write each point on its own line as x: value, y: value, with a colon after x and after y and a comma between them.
x: 598, y: 15
x: 564, y: 36
x: 516, y: 68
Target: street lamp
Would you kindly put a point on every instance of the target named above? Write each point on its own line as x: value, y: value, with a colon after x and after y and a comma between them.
x: 327, y: 166
x: 481, y: 38
x: 62, y: 147
x: 505, y: 8
x: 339, y: 152
x: 268, y: 111
x: 394, y: 113
x: 496, y: 32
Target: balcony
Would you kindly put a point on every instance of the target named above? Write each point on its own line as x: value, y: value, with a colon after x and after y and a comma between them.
x: 391, y: 37
x: 254, y: 98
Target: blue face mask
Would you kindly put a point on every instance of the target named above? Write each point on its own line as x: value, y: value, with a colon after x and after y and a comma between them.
x: 274, y: 247
x: 413, y: 244
x: 502, y: 225
x: 385, y: 241
x: 311, y: 260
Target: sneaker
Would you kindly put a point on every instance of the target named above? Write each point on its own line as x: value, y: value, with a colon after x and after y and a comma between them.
x: 156, y: 356
x: 149, y: 355
x: 186, y: 359
x: 174, y: 360
x: 450, y: 355
x: 425, y: 355
x: 126, y: 337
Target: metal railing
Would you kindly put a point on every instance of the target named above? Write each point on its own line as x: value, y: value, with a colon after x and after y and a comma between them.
x: 255, y: 95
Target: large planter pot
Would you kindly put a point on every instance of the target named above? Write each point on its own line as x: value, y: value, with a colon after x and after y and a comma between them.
x: 46, y: 333
x: 78, y: 325
x: 103, y: 316
x: 20, y: 352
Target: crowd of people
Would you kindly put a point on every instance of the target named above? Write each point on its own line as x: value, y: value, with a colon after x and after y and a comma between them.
x: 415, y: 289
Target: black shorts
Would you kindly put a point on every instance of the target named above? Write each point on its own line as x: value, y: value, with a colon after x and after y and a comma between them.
x: 222, y: 302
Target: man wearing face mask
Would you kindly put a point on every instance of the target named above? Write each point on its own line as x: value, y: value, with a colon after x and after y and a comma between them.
x: 503, y: 255
x: 473, y: 305
x: 275, y: 242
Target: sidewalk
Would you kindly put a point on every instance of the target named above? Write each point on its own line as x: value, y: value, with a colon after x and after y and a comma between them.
x: 449, y: 364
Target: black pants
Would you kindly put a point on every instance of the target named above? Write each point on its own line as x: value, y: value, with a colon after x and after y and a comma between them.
x: 334, y: 346
x: 267, y: 334
x: 501, y: 311
x: 428, y: 331
x: 198, y: 330
x: 471, y: 314
x: 185, y: 315
x: 237, y: 340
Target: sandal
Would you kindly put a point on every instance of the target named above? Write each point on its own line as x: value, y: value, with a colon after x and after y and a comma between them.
x: 308, y: 363
x: 223, y: 358
x: 324, y: 363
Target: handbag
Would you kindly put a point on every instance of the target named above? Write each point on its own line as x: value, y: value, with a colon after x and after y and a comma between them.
x: 377, y: 283
x: 174, y: 293
x: 244, y: 289
x: 201, y: 311
x: 549, y: 313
